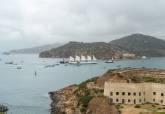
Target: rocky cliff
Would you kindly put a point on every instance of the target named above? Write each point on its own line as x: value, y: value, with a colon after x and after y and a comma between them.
x: 87, y: 97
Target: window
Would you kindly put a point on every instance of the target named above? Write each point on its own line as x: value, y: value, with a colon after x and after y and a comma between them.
x: 129, y: 93
x: 140, y: 100
x: 111, y: 93
x: 129, y: 100
x: 134, y: 94
x: 123, y: 93
x: 117, y: 93
x: 153, y: 100
x: 117, y: 100
x: 111, y: 100
x: 144, y: 100
x: 144, y: 93
x: 154, y: 93
x: 123, y: 101
x: 162, y: 94
x: 134, y: 101
x: 161, y: 101
x: 139, y: 93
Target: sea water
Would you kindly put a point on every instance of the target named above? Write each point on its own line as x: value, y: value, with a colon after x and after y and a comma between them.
x: 26, y: 93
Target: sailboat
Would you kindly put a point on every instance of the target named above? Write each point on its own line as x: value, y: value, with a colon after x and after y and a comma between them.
x: 72, y: 60
x: 83, y: 60
x: 110, y: 61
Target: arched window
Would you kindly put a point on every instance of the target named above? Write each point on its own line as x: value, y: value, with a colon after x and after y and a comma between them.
x: 162, y: 94
x: 117, y: 93
x: 129, y: 93
x: 161, y: 101
x: 123, y: 93
x: 154, y: 93
x: 129, y: 100
x: 134, y: 94
x: 134, y: 101
x: 140, y: 100
x: 111, y: 93
x: 111, y: 100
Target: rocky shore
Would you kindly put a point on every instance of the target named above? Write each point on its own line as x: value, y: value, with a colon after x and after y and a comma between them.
x: 3, y: 108
x: 87, y: 97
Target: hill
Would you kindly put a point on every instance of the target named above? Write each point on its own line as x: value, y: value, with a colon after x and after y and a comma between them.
x: 141, y: 45
x: 35, y: 50
x: 101, y: 50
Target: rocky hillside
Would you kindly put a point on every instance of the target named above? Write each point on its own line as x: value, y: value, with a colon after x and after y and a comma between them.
x: 100, y: 49
x: 35, y: 50
x: 141, y: 45
x: 87, y: 97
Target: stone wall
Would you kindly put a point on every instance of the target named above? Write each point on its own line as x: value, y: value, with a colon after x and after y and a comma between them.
x: 135, y: 93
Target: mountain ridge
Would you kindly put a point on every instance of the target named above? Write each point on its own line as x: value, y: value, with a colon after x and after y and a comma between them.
x: 141, y: 45
x: 36, y: 50
x: 99, y: 49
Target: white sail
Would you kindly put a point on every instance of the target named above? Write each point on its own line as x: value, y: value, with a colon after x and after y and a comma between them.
x: 83, y: 58
x: 89, y: 58
x: 71, y: 58
x: 77, y: 58
x: 94, y: 58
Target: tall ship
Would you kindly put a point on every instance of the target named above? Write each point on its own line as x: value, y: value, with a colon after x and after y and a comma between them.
x: 83, y: 60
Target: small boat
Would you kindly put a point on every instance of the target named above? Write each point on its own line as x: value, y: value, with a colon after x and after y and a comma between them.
x: 6, y: 53
x: 110, y: 61
x: 143, y: 57
x: 48, y: 66
x: 53, y: 65
x: 63, y: 61
x: 19, y: 67
x: 10, y: 62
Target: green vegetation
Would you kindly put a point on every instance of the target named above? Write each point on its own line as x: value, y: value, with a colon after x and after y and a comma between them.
x: 152, y: 113
x: 139, y: 79
x: 84, y: 95
x: 119, y: 106
x: 100, y: 49
x: 137, y: 106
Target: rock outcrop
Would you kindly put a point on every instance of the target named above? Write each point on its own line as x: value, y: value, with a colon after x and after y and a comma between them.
x: 100, y: 105
x: 87, y: 97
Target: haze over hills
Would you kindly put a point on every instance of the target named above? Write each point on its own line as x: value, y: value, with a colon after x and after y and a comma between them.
x: 101, y: 50
x: 141, y: 45
x: 36, y: 50
x: 138, y: 44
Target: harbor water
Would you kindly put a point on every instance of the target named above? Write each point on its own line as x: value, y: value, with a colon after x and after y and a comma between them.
x: 24, y: 85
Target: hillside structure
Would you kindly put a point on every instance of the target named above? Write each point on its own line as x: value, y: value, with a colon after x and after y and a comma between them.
x: 135, y: 93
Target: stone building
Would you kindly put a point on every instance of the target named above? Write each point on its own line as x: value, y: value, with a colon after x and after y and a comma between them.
x: 135, y: 93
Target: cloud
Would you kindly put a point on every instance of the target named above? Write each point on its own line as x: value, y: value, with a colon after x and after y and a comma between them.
x: 47, y: 21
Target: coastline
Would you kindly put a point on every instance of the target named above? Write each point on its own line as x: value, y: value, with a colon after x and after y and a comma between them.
x: 80, y: 99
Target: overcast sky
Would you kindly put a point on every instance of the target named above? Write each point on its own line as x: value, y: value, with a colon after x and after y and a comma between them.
x: 25, y: 23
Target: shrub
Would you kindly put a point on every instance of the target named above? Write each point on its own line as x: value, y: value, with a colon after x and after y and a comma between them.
x: 84, y: 100
x: 137, y: 106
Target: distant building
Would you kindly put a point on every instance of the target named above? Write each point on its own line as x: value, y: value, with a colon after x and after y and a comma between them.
x: 128, y: 55
x: 135, y: 93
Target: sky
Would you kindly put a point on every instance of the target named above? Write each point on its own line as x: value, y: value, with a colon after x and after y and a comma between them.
x: 26, y: 23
